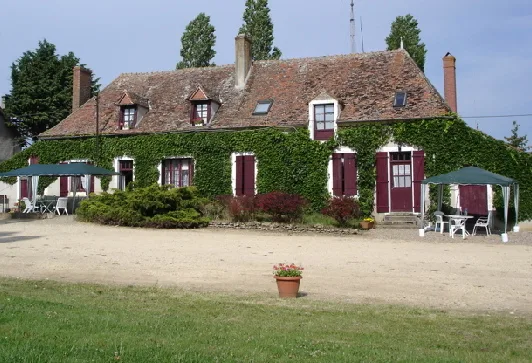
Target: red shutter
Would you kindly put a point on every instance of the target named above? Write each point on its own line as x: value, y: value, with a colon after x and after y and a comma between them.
x: 474, y: 198
x: 191, y: 171
x: 337, y: 175
x: 418, y: 176
x: 239, y: 175
x: 63, y: 185
x: 249, y: 175
x: 382, y: 186
x: 350, y: 175
x: 34, y: 159
x: 163, y: 172
x: 121, y: 118
x: 24, y: 188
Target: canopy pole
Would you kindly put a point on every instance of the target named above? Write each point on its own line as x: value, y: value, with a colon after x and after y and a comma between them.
x: 516, y: 203
x: 422, y: 206
x: 440, y: 196
x: 505, y: 195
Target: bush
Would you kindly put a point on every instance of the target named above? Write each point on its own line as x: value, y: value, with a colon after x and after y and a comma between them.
x: 154, y: 206
x: 282, y: 206
x: 342, y: 209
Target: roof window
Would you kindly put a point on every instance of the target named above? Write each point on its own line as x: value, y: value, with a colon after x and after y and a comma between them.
x: 400, y: 99
x: 263, y: 107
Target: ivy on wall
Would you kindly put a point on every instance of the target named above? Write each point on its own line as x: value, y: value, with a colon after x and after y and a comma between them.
x: 290, y: 161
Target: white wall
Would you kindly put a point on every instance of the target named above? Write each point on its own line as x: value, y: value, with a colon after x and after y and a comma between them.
x: 11, y: 191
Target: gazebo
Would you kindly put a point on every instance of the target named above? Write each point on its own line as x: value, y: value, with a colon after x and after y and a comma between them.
x: 473, y: 176
x: 73, y: 169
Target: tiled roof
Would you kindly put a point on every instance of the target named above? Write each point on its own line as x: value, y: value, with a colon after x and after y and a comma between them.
x: 364, y: 84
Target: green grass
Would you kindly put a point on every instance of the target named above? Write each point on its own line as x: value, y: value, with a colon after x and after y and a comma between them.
x: 318, y: 218
x: 53, y: 322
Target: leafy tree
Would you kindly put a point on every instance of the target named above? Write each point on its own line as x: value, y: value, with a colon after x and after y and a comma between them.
x: 407, y: 28
x: 41, y: 90
x: 197, y: 43
x: 259, y: 27
x: 519, y: 142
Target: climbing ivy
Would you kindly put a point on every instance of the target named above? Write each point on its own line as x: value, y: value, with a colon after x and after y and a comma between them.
x: 289, y: 161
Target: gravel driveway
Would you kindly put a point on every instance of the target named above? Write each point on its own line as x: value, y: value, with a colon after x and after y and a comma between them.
x: 380, y: 266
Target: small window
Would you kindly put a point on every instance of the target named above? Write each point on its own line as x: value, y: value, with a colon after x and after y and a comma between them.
x: 400, y: 99
x: 201, y: 113
x: 128, y: 117
x: 125, y: 168
x: 263, y: 107
x: 177, y: 172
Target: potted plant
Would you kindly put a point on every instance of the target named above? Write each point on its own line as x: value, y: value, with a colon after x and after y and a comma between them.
x: 288, y: 278
x: 367, y: 223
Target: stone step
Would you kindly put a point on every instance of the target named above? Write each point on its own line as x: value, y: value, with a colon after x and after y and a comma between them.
x: 395, y: 226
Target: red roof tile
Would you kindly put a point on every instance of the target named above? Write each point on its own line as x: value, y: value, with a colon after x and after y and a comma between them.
x: 364, y: 84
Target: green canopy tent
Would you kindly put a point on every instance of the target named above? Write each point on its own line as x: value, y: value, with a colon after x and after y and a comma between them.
x: 73, y: 169
x: 473, y: 176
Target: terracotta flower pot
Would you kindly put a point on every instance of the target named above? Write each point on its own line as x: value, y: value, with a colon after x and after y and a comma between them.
x: 367, y: 225
x: 288, y: 286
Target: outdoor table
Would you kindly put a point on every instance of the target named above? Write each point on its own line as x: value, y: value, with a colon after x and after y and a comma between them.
x: 458, y: 218
x: 46, y: 205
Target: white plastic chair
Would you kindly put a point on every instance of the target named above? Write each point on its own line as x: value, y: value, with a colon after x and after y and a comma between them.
x: 30, y: 208
x: 61, y: 204
x: 459, y: 224
x: 483, y: 222
x: 439, y: 221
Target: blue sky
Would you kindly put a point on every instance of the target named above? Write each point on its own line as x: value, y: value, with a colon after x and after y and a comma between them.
x: 490, y: 39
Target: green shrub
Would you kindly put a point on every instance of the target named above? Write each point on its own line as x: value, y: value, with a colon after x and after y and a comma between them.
x: 154, y: 207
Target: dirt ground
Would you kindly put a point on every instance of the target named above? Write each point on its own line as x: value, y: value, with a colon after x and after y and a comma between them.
x: 381, y: 266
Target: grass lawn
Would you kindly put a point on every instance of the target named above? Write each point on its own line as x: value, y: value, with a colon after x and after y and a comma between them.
x: 53, y: 322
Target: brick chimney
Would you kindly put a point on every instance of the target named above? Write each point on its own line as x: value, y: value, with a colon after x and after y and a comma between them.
x: 243, y: 59
x: 449, y: 81
x: 81, y: 88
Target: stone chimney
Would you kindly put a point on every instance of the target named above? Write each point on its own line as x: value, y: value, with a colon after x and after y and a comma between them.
x: 81, y: 89
x: 449, y: 81
x: 243, y: 59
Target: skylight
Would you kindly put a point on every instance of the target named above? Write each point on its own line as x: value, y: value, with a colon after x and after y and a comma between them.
x: 263, y: 107
x: 400, y: 99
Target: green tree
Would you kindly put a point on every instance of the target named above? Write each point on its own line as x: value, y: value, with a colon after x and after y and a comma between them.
x: 197, y: 43
x: 259, y: 27
x: 41, y: 90
x: 406, y: 27
x: 519, y: 142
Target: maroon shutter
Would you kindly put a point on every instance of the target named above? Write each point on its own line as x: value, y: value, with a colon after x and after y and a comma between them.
x: 249, y: 175
x: 163, y: 173
x: 63, y: 185
x: 382, y: 186
x: 350, y: 175
x: 34, y: 159
x: 474, y: 198
x: 121, y: 118
x: 23, y: 188
x: 417, y: 177
x: 337, y: 175
x: 239, y: 175
x: 191, y: 172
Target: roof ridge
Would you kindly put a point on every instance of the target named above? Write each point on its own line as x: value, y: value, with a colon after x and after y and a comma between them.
x: 177, y: 70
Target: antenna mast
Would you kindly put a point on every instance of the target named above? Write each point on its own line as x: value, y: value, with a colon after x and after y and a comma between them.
x: 353, y: 29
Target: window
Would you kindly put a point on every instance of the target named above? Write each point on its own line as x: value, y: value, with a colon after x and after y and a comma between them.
x: 323, y: 121
x: 344, y: 171
x: 128, y: 117
x: 400, y: 99
x: 125, y: 168
x: 245, y: 175
x: 201, y: 113
x: 402, y: 177
x: 404, y: 156
x: 262, y: 107
x: 177, y: 172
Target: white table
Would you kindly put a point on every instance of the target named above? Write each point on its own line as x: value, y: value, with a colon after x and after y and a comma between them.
x: 458, y: 218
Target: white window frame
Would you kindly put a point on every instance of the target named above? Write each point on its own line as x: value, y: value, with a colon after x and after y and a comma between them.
x: 233, y: 170
x: 312, y: 121
x: 160, y: 166
x: 116, y: 163
x: 341, y: 149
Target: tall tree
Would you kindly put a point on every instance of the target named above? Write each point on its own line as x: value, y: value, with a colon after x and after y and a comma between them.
x: 259, y: 27
x: 519, y: 142
x: 41, y: 90
x: 406, y: 27
x: 197, y: 43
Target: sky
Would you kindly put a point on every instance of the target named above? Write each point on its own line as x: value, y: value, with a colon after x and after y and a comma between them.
x: 490, y: 39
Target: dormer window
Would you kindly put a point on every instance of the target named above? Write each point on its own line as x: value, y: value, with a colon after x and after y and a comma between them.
x: 400, y: 99
x: 201, y: 113
x: 323, y: 121
x: 128, y: 117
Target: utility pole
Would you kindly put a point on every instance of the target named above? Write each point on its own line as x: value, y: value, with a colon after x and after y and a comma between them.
x: 97, y: 141
x: 353, y: 28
